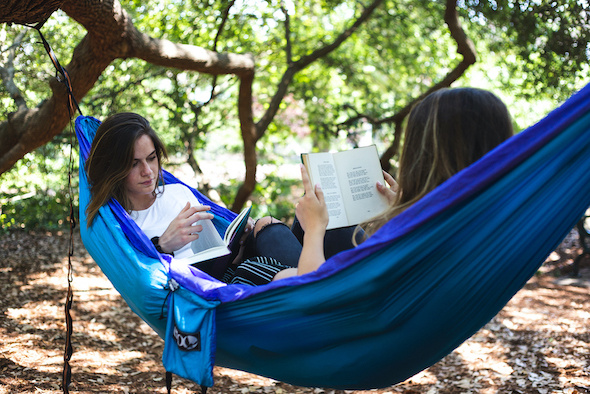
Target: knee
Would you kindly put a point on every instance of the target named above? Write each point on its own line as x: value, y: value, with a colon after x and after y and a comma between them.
x: 286, y: 273
x: 263, y: 222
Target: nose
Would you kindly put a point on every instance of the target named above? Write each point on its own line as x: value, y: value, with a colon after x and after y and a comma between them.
x: 146, y: 169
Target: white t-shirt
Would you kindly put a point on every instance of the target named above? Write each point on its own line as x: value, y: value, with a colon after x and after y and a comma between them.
x: 155, y: 220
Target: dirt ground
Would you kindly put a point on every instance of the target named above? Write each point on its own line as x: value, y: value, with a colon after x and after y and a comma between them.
x: 539, y: 343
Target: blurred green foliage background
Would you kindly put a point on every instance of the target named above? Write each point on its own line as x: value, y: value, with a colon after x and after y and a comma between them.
x: 532, y: 54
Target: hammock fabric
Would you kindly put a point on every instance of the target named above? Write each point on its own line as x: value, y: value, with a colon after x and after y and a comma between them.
x: 375, y: 315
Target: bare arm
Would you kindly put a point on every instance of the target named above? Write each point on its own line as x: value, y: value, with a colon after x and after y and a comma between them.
x: 313, y: 215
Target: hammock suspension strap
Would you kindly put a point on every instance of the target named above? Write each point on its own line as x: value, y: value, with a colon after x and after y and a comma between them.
x: 169, y: 384
x: 72, y: 105
x: 61, y: 75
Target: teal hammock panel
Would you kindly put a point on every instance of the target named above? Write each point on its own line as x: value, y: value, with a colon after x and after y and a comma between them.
x: 375, y: 315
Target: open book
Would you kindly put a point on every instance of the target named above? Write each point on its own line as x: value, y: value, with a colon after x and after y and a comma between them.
x: 348, y: 180
x: 212, y: 253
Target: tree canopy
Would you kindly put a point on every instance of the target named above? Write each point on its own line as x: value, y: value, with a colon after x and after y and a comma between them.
x: 275, y: 70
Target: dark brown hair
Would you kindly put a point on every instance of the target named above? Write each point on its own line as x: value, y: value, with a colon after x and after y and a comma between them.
x: 111, y: 158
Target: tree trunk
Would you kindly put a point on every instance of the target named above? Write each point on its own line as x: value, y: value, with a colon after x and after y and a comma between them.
x: 249, y: 137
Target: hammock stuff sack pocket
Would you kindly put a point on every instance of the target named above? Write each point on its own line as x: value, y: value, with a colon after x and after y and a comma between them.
x: 189, y: 350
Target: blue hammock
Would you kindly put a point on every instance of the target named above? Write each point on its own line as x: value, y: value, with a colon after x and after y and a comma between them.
x: 375, y: 315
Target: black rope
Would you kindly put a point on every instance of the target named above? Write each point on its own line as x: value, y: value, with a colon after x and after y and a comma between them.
x: 168, y: 382
x: 68, y: 351
x: 63, y: 77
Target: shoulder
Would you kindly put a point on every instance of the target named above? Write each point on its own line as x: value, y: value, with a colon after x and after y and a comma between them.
x: 177, y: 191
x: 173, y: 188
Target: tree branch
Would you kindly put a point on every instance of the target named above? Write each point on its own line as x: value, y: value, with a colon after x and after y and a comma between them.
x: 465, y: 47
x: 224, y: 19
x: 288, y: 52
x: 305, y: 61
x: 27, y: 12
x: 187, y: 57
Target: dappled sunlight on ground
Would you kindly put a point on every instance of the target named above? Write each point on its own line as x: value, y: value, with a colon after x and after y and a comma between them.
x: 539, y: 343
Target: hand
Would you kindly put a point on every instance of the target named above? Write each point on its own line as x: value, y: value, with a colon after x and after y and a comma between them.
x: 312, y: 213
x: 249, y: 226
x: 247, y: 230
x: 311, y: 209
x: 390, y: 192
x: 181, y: 230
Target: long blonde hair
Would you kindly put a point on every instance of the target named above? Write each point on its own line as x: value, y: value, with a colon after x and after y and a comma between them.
x: 446, y: 132
x: 111, y: 158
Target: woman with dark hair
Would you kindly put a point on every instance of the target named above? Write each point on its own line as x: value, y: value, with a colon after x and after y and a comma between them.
x: 446, y: 132
x: 125, y: 164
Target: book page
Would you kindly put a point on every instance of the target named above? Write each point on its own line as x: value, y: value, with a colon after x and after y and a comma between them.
x: 237, y: 225
x: 208, y: 237
x: 320, y: 167
x: 359, y: 170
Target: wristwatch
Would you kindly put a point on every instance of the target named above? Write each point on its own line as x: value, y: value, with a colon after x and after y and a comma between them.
x: 156, y: 242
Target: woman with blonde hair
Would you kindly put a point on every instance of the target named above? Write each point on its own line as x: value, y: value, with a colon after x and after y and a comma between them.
x: 446, y: 132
